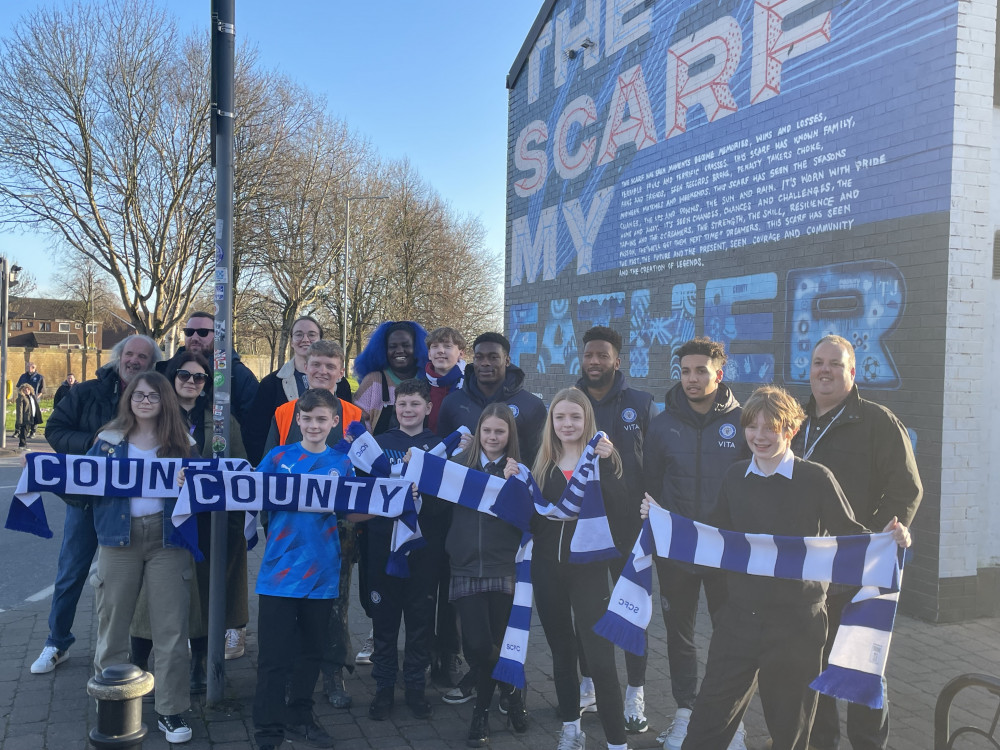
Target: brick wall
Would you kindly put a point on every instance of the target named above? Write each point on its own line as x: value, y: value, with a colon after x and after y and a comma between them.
x: 765, y: 175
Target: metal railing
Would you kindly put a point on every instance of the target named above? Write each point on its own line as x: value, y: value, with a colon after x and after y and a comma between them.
x: 944, y: 738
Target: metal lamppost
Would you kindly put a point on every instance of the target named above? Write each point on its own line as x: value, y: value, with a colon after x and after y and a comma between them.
x: 347, y: 260
x: 8, y: 277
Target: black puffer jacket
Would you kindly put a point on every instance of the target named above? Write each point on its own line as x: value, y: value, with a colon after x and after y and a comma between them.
x: 625, y: 413
x: 479, y: 545
x: 869, y: 452
x: 464, y: 406
x: 687, y: 454
x: 78, y: 418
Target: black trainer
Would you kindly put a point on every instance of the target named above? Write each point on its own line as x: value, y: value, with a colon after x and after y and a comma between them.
x: 174, y: 728
x: 381, y: 705
x: 310, y: 733
x: 418, y: 703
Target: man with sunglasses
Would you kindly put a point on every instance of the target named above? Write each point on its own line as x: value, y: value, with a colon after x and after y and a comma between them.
x: 199, y: 337
x: 72, y: 428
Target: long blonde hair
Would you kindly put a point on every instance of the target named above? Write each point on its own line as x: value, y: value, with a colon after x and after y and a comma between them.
x: 551, y: 450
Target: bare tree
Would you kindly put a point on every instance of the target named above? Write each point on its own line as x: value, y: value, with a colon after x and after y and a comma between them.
x: 103, y: 121
x: 88, y: 299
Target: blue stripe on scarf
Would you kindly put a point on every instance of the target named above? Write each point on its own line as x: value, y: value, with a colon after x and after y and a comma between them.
x: 847, y: 565
x: 792, y: 558
x: 851, y: 685
x: 877, y: 613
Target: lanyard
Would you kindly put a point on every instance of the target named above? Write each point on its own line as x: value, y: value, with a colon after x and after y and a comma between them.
x: 810, y: 449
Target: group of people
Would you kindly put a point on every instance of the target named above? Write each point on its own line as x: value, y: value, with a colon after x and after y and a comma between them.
x: 839, y: 465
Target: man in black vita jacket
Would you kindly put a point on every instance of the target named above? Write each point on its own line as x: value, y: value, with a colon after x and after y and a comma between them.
x: 489, y: 378
x: 689, y: 447
x: 869, y: 452
x: 624, y: 413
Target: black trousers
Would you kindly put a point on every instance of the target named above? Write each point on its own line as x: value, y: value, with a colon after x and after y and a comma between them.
x: 278, y: 618
x: 394, y: 600
x: 339, y: 639
x: 484, y: 622
x: 778, y: 651
x: 680, y: 590
x: 570, y: 599
x: 867, y: 728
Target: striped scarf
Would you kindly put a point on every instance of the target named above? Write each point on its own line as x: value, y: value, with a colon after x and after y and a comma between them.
x: 871, y: 561
x: 515, y: 500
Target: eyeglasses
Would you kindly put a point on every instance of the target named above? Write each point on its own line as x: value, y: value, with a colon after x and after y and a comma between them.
x: 185, y: 376
x: 202, y: 332
x: 311, y: 335
x: 138, y: 397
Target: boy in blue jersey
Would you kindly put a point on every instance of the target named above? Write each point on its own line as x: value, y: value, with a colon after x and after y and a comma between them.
x: 393, y: 599
x: 298, y: 582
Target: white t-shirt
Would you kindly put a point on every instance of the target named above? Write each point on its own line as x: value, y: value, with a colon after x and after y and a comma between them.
x: 144, y: 506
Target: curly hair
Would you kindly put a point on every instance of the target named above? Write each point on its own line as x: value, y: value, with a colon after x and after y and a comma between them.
x: 375, y: 357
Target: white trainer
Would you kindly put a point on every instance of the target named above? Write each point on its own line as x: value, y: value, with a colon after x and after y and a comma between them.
x: 236, y: 639
x: 673, y: 738
x: 635, y: 714
x: 48, y: 659
x: 739, y: 739
x: 588, y: 699
x: 365, y: 654
x: 572, y: 738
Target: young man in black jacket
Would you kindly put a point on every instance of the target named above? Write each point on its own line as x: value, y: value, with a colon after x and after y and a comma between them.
x: 688, y: 450
x: 624, y: 413
x: 869, y: 452
x: 490, y: 378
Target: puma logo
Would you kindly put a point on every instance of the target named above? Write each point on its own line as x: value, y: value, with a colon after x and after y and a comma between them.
x: 676, y: 431
x: 287, y: 467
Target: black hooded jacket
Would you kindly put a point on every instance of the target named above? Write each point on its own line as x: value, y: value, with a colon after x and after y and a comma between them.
x: 625, y: 414
x: 687, y: 454
x: 464, y: 406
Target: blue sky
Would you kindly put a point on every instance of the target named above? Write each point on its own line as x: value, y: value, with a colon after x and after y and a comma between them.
x: 418, y: 79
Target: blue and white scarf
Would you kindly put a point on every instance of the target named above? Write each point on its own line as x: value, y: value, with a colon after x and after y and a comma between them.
x: 367, y: 455
x: 453, y: 380
x: 97, y: 476
x: 871, y: 561
x: 207, y: 491
x: 515, y: 500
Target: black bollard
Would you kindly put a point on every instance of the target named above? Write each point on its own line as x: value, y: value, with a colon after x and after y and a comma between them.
x: 119, y: 690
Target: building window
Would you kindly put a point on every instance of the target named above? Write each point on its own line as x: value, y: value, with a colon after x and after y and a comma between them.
x: 44, y: 326
x: 16, y: 325
x: 91, y: 327
x: 64, y: 328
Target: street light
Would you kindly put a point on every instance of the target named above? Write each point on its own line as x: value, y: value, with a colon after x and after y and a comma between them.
x: 8, y: 278
x: 347, y: 260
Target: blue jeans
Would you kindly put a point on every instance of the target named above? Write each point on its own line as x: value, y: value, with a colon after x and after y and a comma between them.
x: 79, y: 545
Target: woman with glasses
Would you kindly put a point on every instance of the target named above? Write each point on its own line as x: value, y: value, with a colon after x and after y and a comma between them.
x: 190, y: 374
x: 285, y: 384
x: 137, y: 550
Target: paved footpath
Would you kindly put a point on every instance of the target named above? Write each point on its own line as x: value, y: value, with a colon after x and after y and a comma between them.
x: 53, y: 712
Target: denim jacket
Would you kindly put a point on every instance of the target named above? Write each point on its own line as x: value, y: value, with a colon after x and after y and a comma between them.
x: 112, y: 515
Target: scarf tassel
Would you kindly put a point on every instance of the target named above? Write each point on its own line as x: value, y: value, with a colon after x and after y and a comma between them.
x: 851, y: 685
x: 623, y: 633
x: 30, y: 518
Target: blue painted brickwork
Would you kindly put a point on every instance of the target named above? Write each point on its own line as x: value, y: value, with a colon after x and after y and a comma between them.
x: 761, y: 176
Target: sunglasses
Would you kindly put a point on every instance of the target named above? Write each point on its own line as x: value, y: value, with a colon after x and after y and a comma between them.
x: 203, y: 332
x: 185, y: 376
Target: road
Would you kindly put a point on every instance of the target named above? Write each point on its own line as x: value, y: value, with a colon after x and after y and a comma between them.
x: 30, y: 561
